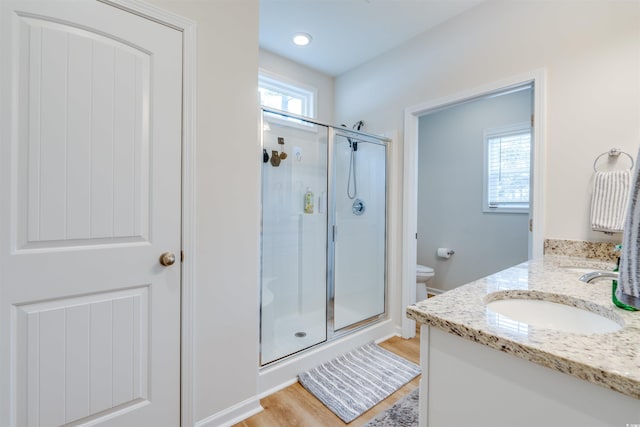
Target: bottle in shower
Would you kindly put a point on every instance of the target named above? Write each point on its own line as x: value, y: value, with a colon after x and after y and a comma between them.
x: 308, y: 201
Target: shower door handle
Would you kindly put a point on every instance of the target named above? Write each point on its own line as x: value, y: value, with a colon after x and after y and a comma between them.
x: 334, y: 233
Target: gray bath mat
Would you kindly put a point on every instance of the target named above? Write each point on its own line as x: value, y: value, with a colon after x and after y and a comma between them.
x: 353, y: 383
x: 404, y: 413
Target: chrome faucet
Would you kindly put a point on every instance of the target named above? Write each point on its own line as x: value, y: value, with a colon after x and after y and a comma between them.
x: 595, y: 275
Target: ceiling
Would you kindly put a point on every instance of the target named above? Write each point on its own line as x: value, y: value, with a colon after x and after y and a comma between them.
x: 347, y: 33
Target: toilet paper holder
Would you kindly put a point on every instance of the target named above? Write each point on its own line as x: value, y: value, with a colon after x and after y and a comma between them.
x: 445, y: 252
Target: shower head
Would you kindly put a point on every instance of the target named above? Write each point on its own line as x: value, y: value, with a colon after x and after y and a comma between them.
x: 357, y: 125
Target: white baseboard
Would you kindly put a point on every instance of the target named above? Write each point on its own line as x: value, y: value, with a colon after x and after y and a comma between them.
x: 389, y: 336
x: 233, y: 414
x: 277, y: 388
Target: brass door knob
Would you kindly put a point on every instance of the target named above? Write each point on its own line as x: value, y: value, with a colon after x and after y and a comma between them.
x: 167, y: 259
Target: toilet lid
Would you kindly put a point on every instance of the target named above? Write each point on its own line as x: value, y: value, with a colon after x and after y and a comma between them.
x: 423, y: 269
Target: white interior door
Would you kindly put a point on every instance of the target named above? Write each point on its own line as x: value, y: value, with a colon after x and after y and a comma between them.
x: 90, y: 155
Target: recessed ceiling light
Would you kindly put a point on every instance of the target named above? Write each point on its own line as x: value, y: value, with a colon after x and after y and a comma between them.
x: 301, y: 39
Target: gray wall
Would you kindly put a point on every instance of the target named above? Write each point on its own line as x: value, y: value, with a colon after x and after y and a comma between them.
x: 450, y: 193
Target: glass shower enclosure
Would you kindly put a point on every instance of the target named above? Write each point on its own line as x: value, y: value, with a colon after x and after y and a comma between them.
x: 323, y: 258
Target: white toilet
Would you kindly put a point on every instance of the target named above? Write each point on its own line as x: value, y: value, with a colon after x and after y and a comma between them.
x: 423, y: 275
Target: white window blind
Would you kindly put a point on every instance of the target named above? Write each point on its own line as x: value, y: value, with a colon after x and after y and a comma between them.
x: 507, y: 170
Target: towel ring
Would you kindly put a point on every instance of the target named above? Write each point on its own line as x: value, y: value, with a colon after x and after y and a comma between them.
x: 614, y: 152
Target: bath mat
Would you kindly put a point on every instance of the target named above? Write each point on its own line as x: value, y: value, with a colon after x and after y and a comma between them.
x: 404, y: 413
x: 353, y: 383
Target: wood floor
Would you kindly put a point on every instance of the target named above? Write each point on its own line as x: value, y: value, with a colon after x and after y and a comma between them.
x: 294, y: 406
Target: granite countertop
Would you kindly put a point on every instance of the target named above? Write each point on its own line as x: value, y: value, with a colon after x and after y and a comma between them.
x: 611, y: 360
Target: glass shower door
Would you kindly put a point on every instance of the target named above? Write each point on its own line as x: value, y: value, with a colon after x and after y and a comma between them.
x: 360, y: 235
x: 294, y: 236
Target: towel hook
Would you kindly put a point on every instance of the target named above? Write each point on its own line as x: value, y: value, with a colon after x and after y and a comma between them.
x: 614, y: 152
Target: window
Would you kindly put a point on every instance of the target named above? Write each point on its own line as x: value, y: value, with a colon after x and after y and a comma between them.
x: 507, y: 169
x: 286, y: 96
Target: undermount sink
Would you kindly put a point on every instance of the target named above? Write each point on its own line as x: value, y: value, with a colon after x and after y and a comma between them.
x: 553, y: 315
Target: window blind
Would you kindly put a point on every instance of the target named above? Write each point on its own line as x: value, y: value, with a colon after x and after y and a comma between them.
x: 508, y: 170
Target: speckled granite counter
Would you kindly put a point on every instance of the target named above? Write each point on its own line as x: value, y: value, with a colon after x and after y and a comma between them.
x: 610, y: 360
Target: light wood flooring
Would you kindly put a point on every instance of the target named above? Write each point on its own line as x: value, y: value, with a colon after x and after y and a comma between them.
x: 294, y: 406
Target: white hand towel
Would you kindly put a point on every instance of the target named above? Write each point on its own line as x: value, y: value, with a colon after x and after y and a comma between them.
x: 610, y: 200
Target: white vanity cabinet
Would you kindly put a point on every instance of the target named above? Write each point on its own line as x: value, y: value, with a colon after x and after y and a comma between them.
x: 469, y: 384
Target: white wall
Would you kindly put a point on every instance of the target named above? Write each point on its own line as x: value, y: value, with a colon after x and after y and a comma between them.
x: 299, y: 73
x: 227, y: 187
x: 591, y: 51
x: 450, y: 181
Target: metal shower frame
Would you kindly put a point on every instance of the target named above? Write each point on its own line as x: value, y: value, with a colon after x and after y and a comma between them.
x: 332, y: 133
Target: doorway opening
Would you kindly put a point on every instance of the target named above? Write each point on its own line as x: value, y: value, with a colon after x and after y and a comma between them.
x: 458, y: 167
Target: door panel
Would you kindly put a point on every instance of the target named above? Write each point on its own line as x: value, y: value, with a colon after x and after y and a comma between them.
x: 83, y: 355
x: 360, y: 216
x: 90, y: 156
x: 294, y: 242
x: 86, y: 154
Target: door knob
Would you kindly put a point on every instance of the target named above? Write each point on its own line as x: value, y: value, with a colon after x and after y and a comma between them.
x: 167, y: 259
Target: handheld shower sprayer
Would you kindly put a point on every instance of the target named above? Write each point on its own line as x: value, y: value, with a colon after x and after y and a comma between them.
x: 352, y: 162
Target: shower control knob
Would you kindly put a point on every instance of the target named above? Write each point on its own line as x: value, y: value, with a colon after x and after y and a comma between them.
x: 167, y: 259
